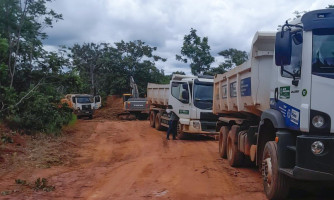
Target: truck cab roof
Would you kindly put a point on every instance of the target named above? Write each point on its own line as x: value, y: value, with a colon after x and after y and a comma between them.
x: 191, y: 78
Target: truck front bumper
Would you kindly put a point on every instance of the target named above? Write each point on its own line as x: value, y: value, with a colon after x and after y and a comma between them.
x: 309, y: 166
x: 84, y: 112
x: 201, y: 127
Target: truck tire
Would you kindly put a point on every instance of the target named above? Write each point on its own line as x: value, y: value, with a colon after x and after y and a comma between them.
x: 179, y: 133
x: 90, y: 116
x: 158, y: 122
x: 223, y: 133
x: 152, y: 119
x: 276, y: 185
x: 234, y: 156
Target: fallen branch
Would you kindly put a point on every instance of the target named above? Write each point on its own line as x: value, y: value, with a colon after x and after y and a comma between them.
x: 23, y: 98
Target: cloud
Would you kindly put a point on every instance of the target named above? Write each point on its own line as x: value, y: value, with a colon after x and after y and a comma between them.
x: 160, y: 23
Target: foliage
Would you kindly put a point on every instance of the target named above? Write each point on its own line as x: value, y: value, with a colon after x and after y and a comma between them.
x: 39, y: 184
x: 42, y: 184
x: 6, y: 139
x: 40, y: 113
x: 233, y: 57
x: 330, y: 6
x: 107, y: 69
x: 22, y: 24
x: 198, y: 51
x: 33, y: 80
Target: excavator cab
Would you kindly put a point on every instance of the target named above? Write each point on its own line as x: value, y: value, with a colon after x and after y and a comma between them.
x: 134, y: 107
x: 126, y: 97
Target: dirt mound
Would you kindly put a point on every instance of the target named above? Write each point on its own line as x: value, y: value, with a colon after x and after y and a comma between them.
x: 113, y: 107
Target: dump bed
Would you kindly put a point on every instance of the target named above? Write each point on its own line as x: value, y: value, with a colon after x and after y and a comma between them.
x: 246, y: 88
x: 158, y: 94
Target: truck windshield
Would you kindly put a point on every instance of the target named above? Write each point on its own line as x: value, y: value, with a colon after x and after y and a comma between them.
x: 203, y: 95
x: 84, y: 100
x: 323, y: 51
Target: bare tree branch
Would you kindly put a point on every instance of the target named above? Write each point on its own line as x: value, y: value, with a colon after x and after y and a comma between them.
x: 23, y: 98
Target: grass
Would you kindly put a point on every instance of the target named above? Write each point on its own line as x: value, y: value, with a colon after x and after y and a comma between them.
x: 73, y: 120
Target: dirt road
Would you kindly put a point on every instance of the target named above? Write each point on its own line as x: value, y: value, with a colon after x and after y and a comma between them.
x: 130, y: 160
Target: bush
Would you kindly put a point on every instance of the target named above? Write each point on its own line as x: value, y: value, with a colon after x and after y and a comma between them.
x: 40, y: 113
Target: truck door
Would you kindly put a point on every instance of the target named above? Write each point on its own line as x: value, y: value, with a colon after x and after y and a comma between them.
x: 97, y: 101
x: 180, y: 99
x: 288, y: 87
x: 73, y: 99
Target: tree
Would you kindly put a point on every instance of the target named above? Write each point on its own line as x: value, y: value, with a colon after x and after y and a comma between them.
x: 233, y: 57
x: 137, y: 59
x: 22, y: 24
x: 330, y: 6
x: 87, y: 59
x: 179, y: 72
x: 197, y: 51
x: 108, y: 68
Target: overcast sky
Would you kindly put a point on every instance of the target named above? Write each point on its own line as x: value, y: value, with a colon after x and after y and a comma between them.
x: 163, y: 23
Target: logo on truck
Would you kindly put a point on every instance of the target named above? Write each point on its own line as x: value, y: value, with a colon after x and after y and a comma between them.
x: 284, y: 92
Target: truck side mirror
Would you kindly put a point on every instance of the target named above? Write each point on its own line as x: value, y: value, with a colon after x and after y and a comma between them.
x: 283, y: 48
x: 97, y: 99
x: 73, y: 99
x: 185, y: 96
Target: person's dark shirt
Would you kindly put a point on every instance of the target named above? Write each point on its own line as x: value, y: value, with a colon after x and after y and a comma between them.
x: 173, y: 117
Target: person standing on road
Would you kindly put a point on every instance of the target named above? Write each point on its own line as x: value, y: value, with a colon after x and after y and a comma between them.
x: 172, y: 125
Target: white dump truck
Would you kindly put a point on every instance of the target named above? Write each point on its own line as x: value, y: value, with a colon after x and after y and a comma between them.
x: 276, y: 109
x: 190, y: 98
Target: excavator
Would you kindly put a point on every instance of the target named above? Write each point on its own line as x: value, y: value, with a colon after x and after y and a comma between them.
x: 134, y: 107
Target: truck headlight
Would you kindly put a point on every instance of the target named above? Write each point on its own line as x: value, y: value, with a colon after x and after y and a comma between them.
x: 318, y: 121
x: 317, y: 147
x: 196, y: 124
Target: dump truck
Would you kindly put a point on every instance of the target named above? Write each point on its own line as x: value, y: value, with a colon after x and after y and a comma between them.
x: 276, y: 109
x: 190, y: 98
x: 134, y: 107
x: 83, y: 105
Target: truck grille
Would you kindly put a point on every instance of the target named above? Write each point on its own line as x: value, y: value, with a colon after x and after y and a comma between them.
x: 208, y: 126
x: 208, y: 116
x: 86, y: 107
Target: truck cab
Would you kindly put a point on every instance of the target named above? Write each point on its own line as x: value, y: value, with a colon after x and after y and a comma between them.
x: 281, y: 114
x: 83, y: 105
x: 191, y: 100
x: 302, y: 91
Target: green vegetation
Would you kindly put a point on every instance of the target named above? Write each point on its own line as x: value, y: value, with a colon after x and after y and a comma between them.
x: 39, y: 184
x: 42, y: 184
x: 196, y: 50
x: 33, y: 80
x: 73, y: 120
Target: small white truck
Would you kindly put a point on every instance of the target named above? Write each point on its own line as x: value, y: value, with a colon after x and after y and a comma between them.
x: 190, y: 98
x: 276, y: 109
x: 83, y: 104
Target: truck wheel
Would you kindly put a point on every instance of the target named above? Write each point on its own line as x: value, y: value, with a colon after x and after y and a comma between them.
x: 179, y: 133
x: 234, y: 156
x: 158, y: 122
x: 223, y: 141
x: 90, y: 116
x: 152, y: 119
x: 276, y: 185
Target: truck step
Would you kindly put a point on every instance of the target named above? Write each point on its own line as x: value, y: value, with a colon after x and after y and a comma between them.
x: 286, y: 171
x: 292, y: 148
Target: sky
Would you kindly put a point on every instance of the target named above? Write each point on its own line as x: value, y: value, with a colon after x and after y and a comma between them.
x: 163, y: 23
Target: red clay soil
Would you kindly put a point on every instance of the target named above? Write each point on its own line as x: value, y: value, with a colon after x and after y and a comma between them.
x: 112, y: 107
x: 130, y: 160
x: 108, y: 159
